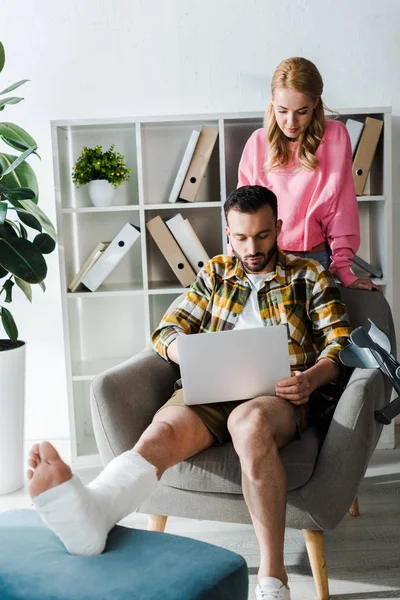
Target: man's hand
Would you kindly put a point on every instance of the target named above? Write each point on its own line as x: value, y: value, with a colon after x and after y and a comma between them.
x: 296, y: 388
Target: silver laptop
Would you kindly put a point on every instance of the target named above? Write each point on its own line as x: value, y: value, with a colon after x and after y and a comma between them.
x: 233, y: 365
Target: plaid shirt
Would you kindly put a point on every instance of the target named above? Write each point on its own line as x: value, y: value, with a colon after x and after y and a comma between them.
x: 300, y: 294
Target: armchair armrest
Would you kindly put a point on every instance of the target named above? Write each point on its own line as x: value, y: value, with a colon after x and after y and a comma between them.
x: 125, y: 398
x: 347, y: 448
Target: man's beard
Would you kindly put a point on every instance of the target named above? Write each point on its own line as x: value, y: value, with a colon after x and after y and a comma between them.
x: 262, y: 264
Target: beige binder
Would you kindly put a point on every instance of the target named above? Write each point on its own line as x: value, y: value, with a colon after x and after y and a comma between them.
x: 198, y: 164
x: 365, y: 152
x: 171, y: 251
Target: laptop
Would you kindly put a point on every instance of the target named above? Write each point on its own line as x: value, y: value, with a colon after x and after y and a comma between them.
x: 233, y: 365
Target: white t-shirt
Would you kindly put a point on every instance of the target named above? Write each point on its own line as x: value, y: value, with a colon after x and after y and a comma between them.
x: 250, y: 315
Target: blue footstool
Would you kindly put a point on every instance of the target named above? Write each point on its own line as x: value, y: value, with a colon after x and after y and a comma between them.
x: 136, y: 564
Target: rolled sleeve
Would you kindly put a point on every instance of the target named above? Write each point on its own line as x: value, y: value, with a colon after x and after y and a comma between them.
x: 186, y: 318
x: 331, y: 328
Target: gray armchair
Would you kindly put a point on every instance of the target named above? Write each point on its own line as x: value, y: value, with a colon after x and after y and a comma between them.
x: 323, y: 476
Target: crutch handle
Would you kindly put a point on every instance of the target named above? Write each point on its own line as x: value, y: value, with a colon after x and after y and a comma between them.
x: 388, y: 412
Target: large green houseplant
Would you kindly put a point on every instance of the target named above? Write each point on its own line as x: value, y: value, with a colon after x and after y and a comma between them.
x: 26, y: 236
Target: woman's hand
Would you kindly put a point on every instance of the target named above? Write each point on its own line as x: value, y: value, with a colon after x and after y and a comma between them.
x: 296, y: 388
x: 365, y: 284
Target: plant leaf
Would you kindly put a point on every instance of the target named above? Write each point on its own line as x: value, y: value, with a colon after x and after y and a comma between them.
x: 7, y: 230
x: 22, y: 177
x: 23, y: 259
x: 3, y: 272
x: 8, y: 286
x: 17, y: 144
x: 14, y: 86
x: 3, y: 212
x: 21, y: 158
x: 16, y: 132
x: 24, y: 232
x: 45, y: 243
x: 19, y: 194
x: 25, y: 287
x: 43, y: 286
x: 28, y: 219
x: 10, y: 100
x: 9, y: 324
x: 2, y: 57
x: 45, y: 222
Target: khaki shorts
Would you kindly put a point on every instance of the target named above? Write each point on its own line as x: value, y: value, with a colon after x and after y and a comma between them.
x: 215, y: 416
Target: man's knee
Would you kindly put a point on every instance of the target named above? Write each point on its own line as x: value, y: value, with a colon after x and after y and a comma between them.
x: 160, y: 431
x: 251, y: 427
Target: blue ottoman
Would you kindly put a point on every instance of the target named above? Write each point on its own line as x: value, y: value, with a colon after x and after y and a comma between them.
x: 136, y: 564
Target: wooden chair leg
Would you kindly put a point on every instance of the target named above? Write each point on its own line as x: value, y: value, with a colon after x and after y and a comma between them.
x: 354, y: 508
x: 156, y: 522
x: 316, y: 554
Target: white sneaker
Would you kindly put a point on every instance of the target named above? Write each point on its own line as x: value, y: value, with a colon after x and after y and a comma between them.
x: 270, y: 588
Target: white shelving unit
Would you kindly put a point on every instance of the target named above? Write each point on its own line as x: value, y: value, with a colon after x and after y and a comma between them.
x: 103, y: 328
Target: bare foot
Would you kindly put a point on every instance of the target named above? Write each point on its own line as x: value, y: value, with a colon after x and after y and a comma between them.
x: 46, y: 469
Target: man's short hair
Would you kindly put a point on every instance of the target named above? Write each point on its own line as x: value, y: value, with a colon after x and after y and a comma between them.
x: 249, y: 199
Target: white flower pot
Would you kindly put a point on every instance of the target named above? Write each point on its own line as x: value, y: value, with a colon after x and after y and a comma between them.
x: 101, y: 192
x: 12, y: 413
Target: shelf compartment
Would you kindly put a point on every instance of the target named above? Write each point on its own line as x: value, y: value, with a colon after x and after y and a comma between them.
x: 208, y: 227
x: 371, y: 198
x: 109, y: 289
x: 183, y: 205
x: 97, y: 331
x: 87, y: 369
x: 158, y: 306
x: 163, y: 147
x: 237, y: 132
x: 373, y: 238
x: 70, y: 141
x: 375, y: 182
x: 95, y: 209
x: 84, y: 435
x: 165, y: 287
x: 83, y: 231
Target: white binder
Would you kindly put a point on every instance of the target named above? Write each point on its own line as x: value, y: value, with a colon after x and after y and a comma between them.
x: 109, y: 259
x: 354, y: 128
x: 187, y: 157
x: 188, y: 241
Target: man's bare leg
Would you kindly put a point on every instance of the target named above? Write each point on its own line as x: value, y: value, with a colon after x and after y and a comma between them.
x: 259, y: 428
x: 82, y: 523
x: 175, y: 434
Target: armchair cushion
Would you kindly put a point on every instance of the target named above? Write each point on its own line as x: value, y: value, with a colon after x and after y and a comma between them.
x: 217, y: 469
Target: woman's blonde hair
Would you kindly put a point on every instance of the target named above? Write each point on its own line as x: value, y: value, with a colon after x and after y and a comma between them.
x: 303, y: 76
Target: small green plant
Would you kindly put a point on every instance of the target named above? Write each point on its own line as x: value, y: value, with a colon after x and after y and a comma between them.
x: 22, y: 260
x: 93, y: 164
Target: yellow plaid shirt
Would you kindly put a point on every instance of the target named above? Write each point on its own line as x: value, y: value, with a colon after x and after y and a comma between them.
x: 299, y: 293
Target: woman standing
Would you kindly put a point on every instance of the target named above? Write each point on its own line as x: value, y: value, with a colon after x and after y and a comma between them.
x: 306, y: 161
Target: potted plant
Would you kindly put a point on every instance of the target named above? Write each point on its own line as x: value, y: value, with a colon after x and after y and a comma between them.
x: 26, y: 236
x: 103, y: 171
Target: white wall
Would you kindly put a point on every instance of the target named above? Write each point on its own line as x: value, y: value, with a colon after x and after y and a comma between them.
x: 96, y: 58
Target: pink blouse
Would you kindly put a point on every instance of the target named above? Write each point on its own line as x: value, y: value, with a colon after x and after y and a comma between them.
x: 315, y: 206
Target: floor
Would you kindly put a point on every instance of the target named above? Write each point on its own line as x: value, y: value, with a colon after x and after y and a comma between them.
x: 363, y: 554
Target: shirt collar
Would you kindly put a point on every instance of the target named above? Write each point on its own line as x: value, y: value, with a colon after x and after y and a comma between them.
x: 280, y: 274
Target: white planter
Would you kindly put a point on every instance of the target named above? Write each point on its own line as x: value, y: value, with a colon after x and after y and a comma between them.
x: 12, y: 413
x: 101, y: 192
